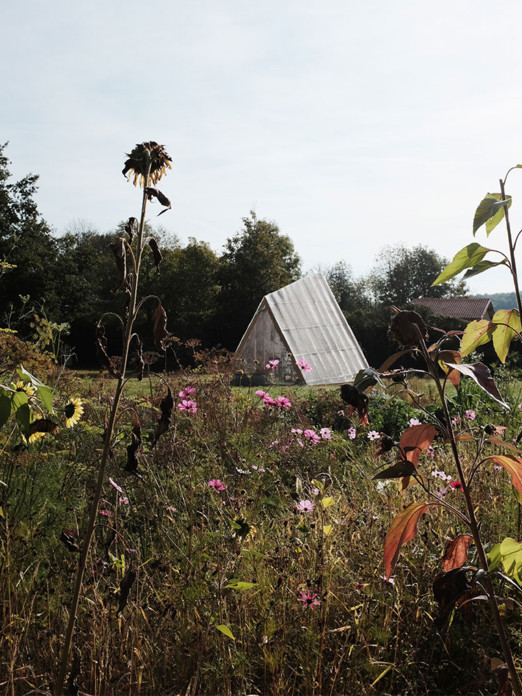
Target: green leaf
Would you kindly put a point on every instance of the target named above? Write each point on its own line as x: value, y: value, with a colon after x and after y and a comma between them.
x: 46, y: 397
x: 23, y: 418
x: 326, y: 502
x: 28, y: 377
x: 507, y: 326
x: 239, y: 585
x: 483, y: 266
x: 5, y: 409
x: 226, y: 630
x: 468, y: 257
x: 509, y: 554
x: 490, y: 211
x: 476, y: 334
x: 19, y: 399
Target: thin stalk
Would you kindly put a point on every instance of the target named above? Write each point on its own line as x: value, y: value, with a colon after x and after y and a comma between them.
x: 474, y: 528
x: 58, y: 689
x: 511, y: 250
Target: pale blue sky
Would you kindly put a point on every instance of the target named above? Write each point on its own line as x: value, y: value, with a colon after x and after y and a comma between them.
x: 352, y: 125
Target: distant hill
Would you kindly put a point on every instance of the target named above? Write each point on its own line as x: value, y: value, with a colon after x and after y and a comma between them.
x: 501, y: 300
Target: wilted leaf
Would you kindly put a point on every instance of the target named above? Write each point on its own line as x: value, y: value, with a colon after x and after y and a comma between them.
x: 366, y: 378
x: 132, y: 449
x: 468, y: 257
x: 503, y: 443
x: 67, y: 538
x: 126, y: 583
x: 155, y: 252
x: 160, y: 326
x: 120, y: 255
x: 162, y: 199
x: 490, y: 211
x: 506, y: 327
x: 226, y: 630
x: 403, y: 528
x: 456, y: 553
x: 166, y: 415
x: 476, y: 334
x: 5, y: 409
x: 449, y: 587
x: 42, y: 425
x: 398, y: 470
x: 513, y: 465
x: 131, y: 228
x: 480, y: 374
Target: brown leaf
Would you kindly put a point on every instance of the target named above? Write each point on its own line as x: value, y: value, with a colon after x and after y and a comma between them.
x: 416, y: 440
x: 126, y: 583
x: 101, y: 345
x: 131, y: 228
x: 403, y: 528
x: 138, y: 357
x: 166, y: 415
x: 43, y: 425
x: 513, y: 465
x: 120, y: 255
x: 160, y: 327
x: 398, y: 470
x: 480, y: 374
x: 132, y: 449
x: 449, y: 587
x: 503, y: 443
x: 456, y: 553
x: 155, y: 252
x: 162, y: 199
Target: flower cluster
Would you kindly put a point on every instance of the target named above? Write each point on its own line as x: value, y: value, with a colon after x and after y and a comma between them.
x: 186, y: 403
x: 217, y: 485
x: 312, y: 437
x: 279, y: 402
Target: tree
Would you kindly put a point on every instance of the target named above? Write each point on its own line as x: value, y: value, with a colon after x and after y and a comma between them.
x: 27, y: 244
x: 401, y: 274
x: 257, y: 260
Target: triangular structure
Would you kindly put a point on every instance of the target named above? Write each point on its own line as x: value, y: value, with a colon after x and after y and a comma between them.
x: 302, y: 320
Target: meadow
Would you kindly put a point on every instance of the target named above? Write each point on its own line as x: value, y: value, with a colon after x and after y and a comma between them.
x: 240, y: 549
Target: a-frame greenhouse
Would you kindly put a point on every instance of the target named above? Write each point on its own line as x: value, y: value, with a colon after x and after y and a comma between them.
x: 301, y: 322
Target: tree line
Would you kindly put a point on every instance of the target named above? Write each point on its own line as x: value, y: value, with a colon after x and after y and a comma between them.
x: 71, y: 280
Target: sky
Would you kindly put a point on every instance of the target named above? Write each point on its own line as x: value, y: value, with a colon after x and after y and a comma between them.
x: 353, y: 126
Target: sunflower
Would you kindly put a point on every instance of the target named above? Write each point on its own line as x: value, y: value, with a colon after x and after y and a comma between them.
x: 26, y: 387
x: 73, y: 412
x: 139, y: 159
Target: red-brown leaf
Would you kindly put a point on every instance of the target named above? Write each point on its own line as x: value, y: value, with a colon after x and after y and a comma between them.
x: 160, y: 326
x: 414, y: 441
x: 456, y: 553
x: 403, y: 528
x: 514, y: 466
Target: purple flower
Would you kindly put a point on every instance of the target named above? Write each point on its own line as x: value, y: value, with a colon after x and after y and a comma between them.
x: 283, y: 402
x: 308, y: 599
x: 373, y: 435
x: 470, y: 414
x: 188, y: 405
x: 326, y: 433
x: 352, y: 433
x: 261, y: 393
x: 305, y: 367
x: 186, y: 392
x: 305, y: 506
x: 271, y: 364
x: 455, y: 421
x: 217, y: 485
x: 312, y: 436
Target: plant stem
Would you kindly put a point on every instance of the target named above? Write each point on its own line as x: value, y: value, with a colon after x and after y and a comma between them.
x: 511, y: 250
x: 58, y: 690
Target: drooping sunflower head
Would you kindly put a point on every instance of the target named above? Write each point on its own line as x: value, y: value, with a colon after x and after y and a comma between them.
x: 140, y: 158
x: 73, y: 412
x: 21, y: 386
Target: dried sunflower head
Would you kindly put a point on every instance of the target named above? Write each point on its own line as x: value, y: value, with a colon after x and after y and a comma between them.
x: 408, y: 328
x: 139, y: 159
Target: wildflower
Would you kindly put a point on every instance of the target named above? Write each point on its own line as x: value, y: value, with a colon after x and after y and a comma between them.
x: 414, y: 421
x: 519, y: 405
x: 455, y: 421
x: 305, y: 506
x: 373, y: 435
x: 26, y: 387
x: 188, y: 405
x: 326, y: 433
x: 352, y: 432
x: 123, y: 500
x: 271, y: 364
x: 390, y: 581
x: 217, y: 485
x: 73, y: 412
x: 283, y: 402
x: 308, y: 599
x: 442, y: 492
x: 456, y: 485
x: 297, y: 431
x: 106, y: 513
x: 470, y: 414
x: 305, y: 367
x: 268, y: 401
x: 260, y: 469
x: 312, y: 436
x: 188, y: 391
x: 430, y: 452
x: 261, y: 393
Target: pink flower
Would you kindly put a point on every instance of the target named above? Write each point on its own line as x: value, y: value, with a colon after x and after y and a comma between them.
x: 373, y: 435
x: 430, y: 452
x: 312, y: 436
x: 283, y: 402
x: 123, y: 500
x: 470, y: 414
x: 188, y: 405
x: 271, y: 364
x: 326, y: 433
x: 217, y: 485
x: 414, y: 421
x: 456, y: 485
x: 305, y: 367
x: 455, y: 421
x: 297, y: 431
x: 106, y: 513
x: 261, y: 393
x: 352, y: 433
x: 186, y: 392
x: 305, y: 506
x: 308, y: 599
x: 268, y: 401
